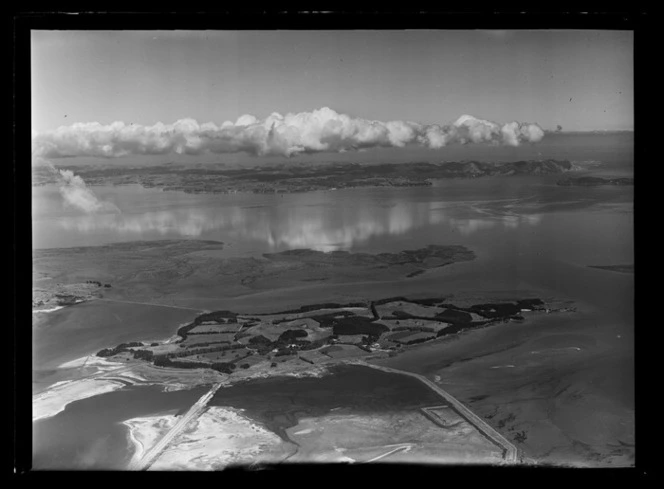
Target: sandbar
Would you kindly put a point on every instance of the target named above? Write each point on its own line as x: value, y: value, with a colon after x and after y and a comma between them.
x: 36, y: 311
x: 55, y: 399
x: 218, y: 438
x: 144, y: 432
x: 100, y: 363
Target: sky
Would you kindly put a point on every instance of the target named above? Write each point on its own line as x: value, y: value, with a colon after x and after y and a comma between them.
x: 580, y: 80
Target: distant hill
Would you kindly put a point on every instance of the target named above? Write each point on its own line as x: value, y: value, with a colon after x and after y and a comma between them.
x: 595, y: 181
x: 301, y: 178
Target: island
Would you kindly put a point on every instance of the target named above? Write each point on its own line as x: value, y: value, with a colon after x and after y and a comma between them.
x: 250, y: 357
x: 226, y: 340
x: 157, y: 271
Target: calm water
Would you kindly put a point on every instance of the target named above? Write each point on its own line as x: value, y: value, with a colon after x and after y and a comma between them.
x: 73, y: 332
x: 461, y: 211
x: 525, y: 231
x: 88, y: 434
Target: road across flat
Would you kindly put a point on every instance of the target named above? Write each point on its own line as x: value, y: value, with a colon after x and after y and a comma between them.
x: 405, y: 447
x: 510, y: 452
x: 150, y: 456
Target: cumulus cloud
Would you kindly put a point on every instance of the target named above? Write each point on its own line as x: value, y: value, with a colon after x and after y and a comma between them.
x: 322, y: 130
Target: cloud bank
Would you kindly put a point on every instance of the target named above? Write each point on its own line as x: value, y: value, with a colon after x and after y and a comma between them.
x: 322, y: 130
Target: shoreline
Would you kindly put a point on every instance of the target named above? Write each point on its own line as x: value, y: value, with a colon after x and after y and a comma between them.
x: 53, y: 401
x: 186, y: 455
x: 56, y: 308
x: 146, y: 425
x: 104, y: 365
x: 218, y: 437
x: 139, y: 448
x: 89, y: 360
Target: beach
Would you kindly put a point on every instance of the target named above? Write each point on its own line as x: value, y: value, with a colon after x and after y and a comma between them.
x: 218, y: 438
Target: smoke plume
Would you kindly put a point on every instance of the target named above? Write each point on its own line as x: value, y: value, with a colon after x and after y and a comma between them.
x: 75, y: 192
x: 322, y: 130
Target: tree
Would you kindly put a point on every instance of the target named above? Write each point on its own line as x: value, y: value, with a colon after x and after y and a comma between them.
x: 143, y: 354
x: 259, y: 340
x: 291, y: 335
x: 106, y: 352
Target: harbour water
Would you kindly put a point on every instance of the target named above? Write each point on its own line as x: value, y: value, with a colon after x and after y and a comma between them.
x: 89, y: 433
x: 528, y: 235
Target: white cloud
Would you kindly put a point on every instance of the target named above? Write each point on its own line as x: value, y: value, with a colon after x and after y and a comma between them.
x: 322, y: 130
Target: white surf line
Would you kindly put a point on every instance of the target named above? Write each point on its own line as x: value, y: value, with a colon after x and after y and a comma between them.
x: 95, y: 376
x: 405, y: 448
x: 54, y: 396
x: 194, y: 412
x: 556, y: 349
x: 510, y: 452
x: 57, y: 308
x: 100, y: 375
x: 150, y: 304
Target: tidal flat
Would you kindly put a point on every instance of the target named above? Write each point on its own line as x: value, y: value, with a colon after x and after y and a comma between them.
x: 561, y: 385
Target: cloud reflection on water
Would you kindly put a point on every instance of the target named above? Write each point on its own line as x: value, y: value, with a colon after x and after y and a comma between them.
x: 319, y: 227
x: 471, y: 226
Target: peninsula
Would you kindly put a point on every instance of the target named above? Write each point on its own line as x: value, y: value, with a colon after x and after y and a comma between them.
x: 594, y: 181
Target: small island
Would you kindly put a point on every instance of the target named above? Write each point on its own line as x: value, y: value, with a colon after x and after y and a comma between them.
x: 595, y: 181
x: 615, y: 268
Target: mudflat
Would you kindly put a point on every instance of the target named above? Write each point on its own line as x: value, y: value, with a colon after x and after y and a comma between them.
x: 560, y: 386
x: 190, y: 273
